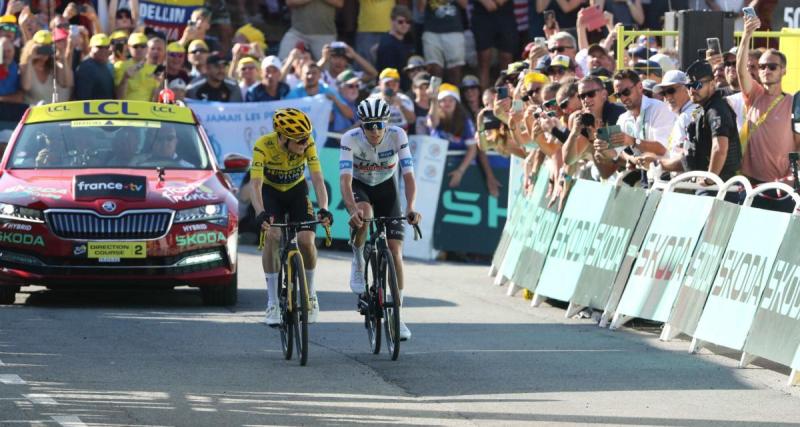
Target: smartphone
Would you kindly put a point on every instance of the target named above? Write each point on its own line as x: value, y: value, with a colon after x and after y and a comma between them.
x: 245, y: 49
x: 338, y: 45
x: 713, y: 45
x: 502, y: 92
x: 435, y: 83
x: 540, y: 41
x: 606, y: 132
x: 301, y: 46
x: 749, y: 11
x: 45, y: 50
x: 74, y: 30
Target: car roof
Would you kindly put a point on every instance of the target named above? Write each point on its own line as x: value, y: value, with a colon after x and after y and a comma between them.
x: 109, y: 109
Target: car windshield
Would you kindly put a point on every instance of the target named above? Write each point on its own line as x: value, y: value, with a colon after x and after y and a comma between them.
x: 127, y: 144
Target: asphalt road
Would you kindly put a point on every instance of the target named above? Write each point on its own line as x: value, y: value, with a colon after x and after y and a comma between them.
x: 476, y: 357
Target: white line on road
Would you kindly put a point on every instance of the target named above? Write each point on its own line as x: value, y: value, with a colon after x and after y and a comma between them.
x: 2, y: 364
x: 68, y: 421
x: 40, y: 399
x: 11, y: 379
x: 587, y: 350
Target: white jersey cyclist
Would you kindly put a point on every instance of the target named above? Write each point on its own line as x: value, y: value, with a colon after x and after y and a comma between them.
x: 373, y: 165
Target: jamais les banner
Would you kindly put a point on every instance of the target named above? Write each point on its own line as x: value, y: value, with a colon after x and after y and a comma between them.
x: 168, y: 16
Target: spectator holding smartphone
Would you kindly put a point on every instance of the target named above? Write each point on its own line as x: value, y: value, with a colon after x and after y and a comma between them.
x: 136, y: 78
x: 449, y: 120
x: 39, y: 66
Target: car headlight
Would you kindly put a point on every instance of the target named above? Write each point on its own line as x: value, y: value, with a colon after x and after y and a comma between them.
x: 19, y: 213
x: 217, y: 214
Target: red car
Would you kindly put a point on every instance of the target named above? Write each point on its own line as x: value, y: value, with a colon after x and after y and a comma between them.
x: 116, y: 193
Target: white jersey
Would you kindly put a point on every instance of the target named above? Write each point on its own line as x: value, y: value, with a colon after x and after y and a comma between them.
x: 370, y: 164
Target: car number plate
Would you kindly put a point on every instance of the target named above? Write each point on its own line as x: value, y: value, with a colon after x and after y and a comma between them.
x: 106, y: 250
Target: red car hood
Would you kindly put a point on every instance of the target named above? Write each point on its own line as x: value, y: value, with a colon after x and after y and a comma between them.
x: 42, y: 189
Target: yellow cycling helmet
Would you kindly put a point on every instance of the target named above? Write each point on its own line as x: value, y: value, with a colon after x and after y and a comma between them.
x: 291, y: 123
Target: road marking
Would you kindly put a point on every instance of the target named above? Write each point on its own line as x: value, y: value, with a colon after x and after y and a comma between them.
x: 40, y: 399
x: 68, y: 421
x: 11, y: 379
x: 2, y: 364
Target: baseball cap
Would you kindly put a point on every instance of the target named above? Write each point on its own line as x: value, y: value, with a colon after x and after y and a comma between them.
x: 671, y: 78
x: 253, y: 35
x: 389, y: 74
x: 8, y: 19
x: 648, y: 84
x: 421, y: 78
x: 247, y: 60
x: 600, y: 72
x: 217, y: 59
x: 597, y: 49
x: 347, y: 76
x: 560, y: 61
x: 99, y: 40
x: 470, y: 81
x: 60, y: 34
x: 271, y: 61
x: 414, y: 61
x: 648, y: 67
x: 699, y: 69
x: 447, y: 89
x: 177, y: 84
x: 641, y: 52
x: 198, y: 44
x: 119, y: 35
x: 176, y: 47
x: 137, y: 38
x: 664, y: 61
x: 516, y: 67
x: 43, y: 37
x: 536, y: 77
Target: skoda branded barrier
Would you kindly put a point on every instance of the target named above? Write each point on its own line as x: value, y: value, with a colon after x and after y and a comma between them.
x: 719, y: 272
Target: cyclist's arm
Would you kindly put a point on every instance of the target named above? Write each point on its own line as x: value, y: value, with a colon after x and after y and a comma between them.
x: 411, y: 192
x: 346, y: 174
x: 257, y: 198
x: 257, y: 178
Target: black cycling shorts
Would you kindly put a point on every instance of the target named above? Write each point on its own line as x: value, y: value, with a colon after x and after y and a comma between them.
x: 294, y: 202
x: 384, y: 201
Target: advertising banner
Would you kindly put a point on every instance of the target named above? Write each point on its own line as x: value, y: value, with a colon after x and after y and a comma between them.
x: 703, y: 267
x: 168, y: 16
x: 609, y: 246
x: 573, y: 238
x: 642, y: 227
x: 536, y: 243
x: 775, y: 333
x: 742, y: 276
x: 512, y: 223
x: 234, y: 127
x: 664, y: 256
x: 467, y: 211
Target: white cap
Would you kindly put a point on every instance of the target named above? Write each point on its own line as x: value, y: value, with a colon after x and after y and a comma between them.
x: 177, y: 84
x: 271, y: 61
x: 664, y: 61
x: 671, y: 78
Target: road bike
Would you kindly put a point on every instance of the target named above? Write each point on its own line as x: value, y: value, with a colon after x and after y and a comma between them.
x: 293, y: 290
x: 380, y: 302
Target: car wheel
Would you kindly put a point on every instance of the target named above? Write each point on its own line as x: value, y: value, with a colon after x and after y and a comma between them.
x: 8, y: 294
x: 222, y: 294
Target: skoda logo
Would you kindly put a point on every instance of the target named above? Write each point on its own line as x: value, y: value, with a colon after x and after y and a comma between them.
x: 109, y: 206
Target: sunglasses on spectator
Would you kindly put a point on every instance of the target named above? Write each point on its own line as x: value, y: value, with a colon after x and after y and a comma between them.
x: 550, y: 104
x: 196, y: 51
x: 140, y: 46
x: 8, y: 27
x: 350, y: 85
x: 403, y: 21
x: 771, y: 65
x: 697, y: 84
x: 669, y: 91
x: 175, y: 55
x: 529, y: 94
x: 373, y: 125
x: 587, y: 94
x: 730, y: 63
x: 624, y: 92
x: 559, y: 49
x: 563, y: 104
x: 556, y: 70
x: 248, y: 68
x: 63, y: 25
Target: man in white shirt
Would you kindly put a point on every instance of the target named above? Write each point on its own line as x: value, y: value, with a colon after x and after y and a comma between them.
x: 673, y: 89
x: 647, y: 123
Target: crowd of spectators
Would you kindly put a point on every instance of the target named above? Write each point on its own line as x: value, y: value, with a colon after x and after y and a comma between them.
x: 534, y: 79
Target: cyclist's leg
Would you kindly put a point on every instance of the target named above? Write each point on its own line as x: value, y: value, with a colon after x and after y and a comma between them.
x: 361, y: 193
x: 302, y: 210
x: 270, y: 257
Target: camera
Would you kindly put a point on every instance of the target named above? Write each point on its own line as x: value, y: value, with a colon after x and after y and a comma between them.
x: 45, y: 50
x: 388, y: 92
x: 587, y: 120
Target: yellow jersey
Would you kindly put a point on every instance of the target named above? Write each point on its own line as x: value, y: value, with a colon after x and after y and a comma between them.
x: 141, y: 85
x: 279, y: 168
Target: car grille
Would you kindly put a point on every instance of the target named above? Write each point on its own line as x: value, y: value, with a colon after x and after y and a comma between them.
x: 132, y: 225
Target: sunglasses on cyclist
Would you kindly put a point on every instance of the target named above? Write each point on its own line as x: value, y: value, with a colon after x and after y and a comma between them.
x: 373, y: 125
x: 624, y: 92
x: 587, y: 94
x: 301, y: 141
x: 771, y: 65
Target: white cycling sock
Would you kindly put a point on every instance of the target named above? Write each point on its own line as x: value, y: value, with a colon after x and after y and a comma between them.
x: 358, y: 255
x: 272, y: 289
x: 312, y: 290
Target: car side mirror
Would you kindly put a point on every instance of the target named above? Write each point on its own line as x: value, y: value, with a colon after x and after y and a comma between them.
x: 796, y: 113
x: 236, y: 163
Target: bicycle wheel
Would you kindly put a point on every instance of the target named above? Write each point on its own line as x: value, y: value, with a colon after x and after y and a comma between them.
x: 287, y: 317
x: 300, y: 308
x: 372, y: 317
x: 390, y: 303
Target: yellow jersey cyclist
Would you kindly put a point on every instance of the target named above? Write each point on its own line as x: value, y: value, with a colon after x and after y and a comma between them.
x: 278, y: 178
x: 368, y: 159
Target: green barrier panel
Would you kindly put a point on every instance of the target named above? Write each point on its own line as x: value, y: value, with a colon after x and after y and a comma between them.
x: 775, y: 333
x: 536, y: 244
x: 742, y: 277
x: 609, y: 247
x: 642, y: 226
x: 702, y: 269
x: 573, y: 239
x: 663, y: 258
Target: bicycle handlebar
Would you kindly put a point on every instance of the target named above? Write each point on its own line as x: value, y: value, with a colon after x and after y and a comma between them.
x: 385, y: 219
x: 295, y: 225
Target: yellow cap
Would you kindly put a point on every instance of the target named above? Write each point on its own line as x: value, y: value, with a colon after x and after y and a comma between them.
x: 176, y: 47
x: 197, y: 44
x: 247, y: 60
x: 8, y: 19
x: 43, y: 37
x: 253, y: 35
x: 119, y: 34
x: 390, y: 73
x: 137, y: 38
x: 99, y: 40
x: 536, y: 77
x: 447, y: 89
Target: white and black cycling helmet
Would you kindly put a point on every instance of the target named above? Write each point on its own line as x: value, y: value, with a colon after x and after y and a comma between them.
x: 373, y: 110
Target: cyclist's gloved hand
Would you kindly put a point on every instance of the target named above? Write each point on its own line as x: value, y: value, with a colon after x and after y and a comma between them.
x: 324, y: 214
x: 356, y: 218
x: 414, y: 217
x: 263, y: 219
